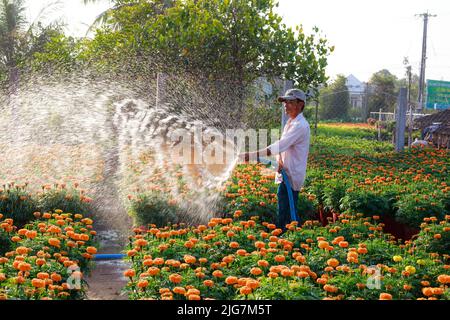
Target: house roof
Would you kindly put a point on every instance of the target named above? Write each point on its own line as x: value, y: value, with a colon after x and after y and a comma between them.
x: 353, y: 84
x: 442, y: 117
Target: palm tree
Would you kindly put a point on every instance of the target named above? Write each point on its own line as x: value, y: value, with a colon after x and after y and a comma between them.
x: 12, y: 20
x: 16, y: 36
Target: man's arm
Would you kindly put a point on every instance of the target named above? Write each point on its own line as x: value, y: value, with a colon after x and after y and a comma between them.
x: 256, y: 154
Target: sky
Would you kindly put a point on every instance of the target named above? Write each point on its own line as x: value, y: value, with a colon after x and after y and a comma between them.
x: 368, y: 36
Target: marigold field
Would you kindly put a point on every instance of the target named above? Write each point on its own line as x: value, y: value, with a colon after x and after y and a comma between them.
x: 374, y: 224
x: 241, y: 257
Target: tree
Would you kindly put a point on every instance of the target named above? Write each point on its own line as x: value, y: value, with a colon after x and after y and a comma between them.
x: 12, y: 21
x: 20, y: 41
x: 404, y: 83
x: 229, y: 43
x: 383, y: 92
x: 335, y: 100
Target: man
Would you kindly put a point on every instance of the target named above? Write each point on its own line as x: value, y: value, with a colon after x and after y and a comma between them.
x: 292, y: 152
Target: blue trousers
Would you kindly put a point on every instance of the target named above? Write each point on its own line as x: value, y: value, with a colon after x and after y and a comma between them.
x: 284, y: 213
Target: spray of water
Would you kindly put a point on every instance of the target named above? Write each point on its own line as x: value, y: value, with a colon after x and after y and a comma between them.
x: 112, y: 139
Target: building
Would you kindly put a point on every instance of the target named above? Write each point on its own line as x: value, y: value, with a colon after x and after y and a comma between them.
x: 436, y: 127
x: 356, y: 91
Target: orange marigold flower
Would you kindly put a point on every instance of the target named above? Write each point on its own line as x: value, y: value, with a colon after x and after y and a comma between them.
x: 208, y: 283
x: 260, y: 244
x: 234, y: 245
x: 385, y: 296
x: 217, y: 273
x: 189, y: 259
x: 142, y: 284
x: 175, y: 278
x: 54, y: 242
x: 333, y: 262
x: 263, y: 263
x: 255, y: 271
x: 343, y: 244
x: 179, y: 290
x: 323, y: 244
x: 231, y: 280
x: 38, y: 283
x: 245, y: 290
x: 330, y: 288
x: 129, y: 273
x: 91, y: 250
x: 153, y: 271
x: 427, y: 291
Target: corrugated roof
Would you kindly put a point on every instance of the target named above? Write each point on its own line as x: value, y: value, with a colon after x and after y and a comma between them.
x: 443, y: 117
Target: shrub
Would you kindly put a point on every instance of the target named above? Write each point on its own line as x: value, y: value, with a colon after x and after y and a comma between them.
x: 428, y: 240
x: 333, y: 192
x: 65, y: 200
x: 17, y: 204
x: 5, y: 242
x: 366, y: 202
x: 154, y: 208
x: 305, y: 208
x: 413, y: 208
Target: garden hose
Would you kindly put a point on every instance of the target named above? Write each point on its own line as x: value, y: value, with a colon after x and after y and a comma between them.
x: 109, y: 256
x: 288, y: 187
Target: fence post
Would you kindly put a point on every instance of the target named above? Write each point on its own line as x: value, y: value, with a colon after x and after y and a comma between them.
x: 410, y: 126
x: 288, y: 84
x: 379, y: 124
x: 400, y: 120
x: 317, y: 117
x: 160, y: 88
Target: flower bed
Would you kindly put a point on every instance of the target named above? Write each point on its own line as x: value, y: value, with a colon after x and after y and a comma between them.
x: 246, y: 259
x: 46, y: 258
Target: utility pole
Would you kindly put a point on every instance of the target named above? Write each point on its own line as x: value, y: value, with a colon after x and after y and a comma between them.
x: 423, y: 60
x: 408, y: 74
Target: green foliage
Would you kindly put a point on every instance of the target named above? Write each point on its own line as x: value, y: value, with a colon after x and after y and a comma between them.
x: 5, y: 242
x: 280, y: 289
x: 66, y: 200
x: 366, y: 202
x: 236, y: 41
x: 305, y: 208
x: 333, y: 192
x: 58, y: 53
x: 429, y: 242
x: 383, y: 92
x: 18, y: 44
x: 154, y: 208
x: 17, y: 204
x: 335, y: 100
x: 412, y: 208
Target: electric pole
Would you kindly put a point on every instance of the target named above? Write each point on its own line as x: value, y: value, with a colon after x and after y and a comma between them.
x: 423, y: 60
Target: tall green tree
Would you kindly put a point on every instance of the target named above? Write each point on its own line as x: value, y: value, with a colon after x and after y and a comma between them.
x: 20, y: 40
x: 228, y: 42
x: 335, y: 100
x: 383, y: 92
x: 12, y: 22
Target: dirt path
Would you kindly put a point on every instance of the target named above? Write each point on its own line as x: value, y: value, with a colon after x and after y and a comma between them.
x: 106, y: 280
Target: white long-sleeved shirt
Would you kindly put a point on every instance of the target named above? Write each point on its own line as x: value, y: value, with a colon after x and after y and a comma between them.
x: 293, y: 148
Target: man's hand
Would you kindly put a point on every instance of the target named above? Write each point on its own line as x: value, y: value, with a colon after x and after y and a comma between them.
x: 280, y: 165
x: 244, y: 156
